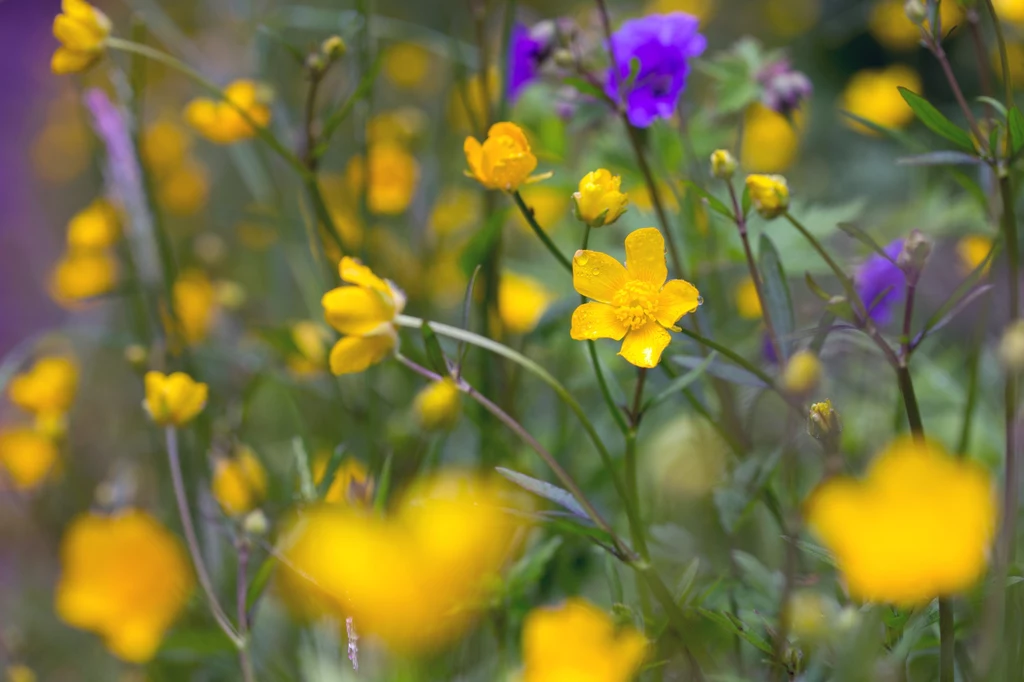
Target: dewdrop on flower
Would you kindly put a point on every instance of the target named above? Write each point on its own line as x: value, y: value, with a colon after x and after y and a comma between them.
x: 598, y: 201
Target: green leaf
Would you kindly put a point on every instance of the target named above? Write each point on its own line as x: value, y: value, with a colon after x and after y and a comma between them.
x: 550, y: 492
x: 713, y: 202
x: 584, y: 87
x: 687, y: 582
x: 259, y: 581
x: 435, y: 356
x: 737, y: 627
x: 816, y: 288
x: 962, y: 292
x: 679, y: 384
x: 995, y: 104
x: 730, y: 373
x: 1015, y: 122
x: 864, y: 238
x: 330, y: 472
x: 936, y: 121
x: 195, y: 644
x: 778, y: 302
x: 939, y: 158
x: 380, y: 499
x: 306, y: 487
x: 530, y: 569
x: 746, y: 201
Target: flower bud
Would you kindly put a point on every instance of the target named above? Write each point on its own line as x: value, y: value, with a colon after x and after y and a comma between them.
x: 770, y: 195
x: 1011, y: 347
x: 173, y: 400
x: 333, y: 48
x: 823, y: 422
x: 916, y: 11
x: 599, y: 201
x: 136, y: 355
x: 437, y: 406
x: 256, y: 523
x: 723, y: 164
x: 916, y: 249
x: 802, y: 374
x: 563, y: 58
x: 784, y: 89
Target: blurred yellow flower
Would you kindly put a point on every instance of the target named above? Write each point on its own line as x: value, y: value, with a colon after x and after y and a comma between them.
x: 769, y: 195
x: 790, y: 18
x: 82, y: 31
x: 438, y: 405
x: 872, y: 94
x: 352, y: 483
x: 748, y: 304
x: 310, y: 339
x: 47, y: 388
x: 27, y: 456
x: 83, y: 274
x: 239, y: 482
x: 175, y: 399
x: 504, y: 161
x: 20, y: 673
x: 702, y: 9
x: 918, y: 525
x: 687, y: 458
x: 803, y: 373
x: 550, y: 205
x: 522, y: 301
x: 632, y: 303
x: 598, y: 200
x: 973, y: 250
x: 394, y: 175
x: 578, y: 641
x: 94, y: 227
x: 641, y: 198
x: 165, y: 145
x: 220, y: 121
x: 1015, y: 58
x: 1010, y: 10
x: 195, y: 305
x: 467, y: 106
x: 891, y: 27
x: 723, y: 163
x: 415, y: 579
x: 408, y: 65
x: 770, y: 141
x: 456, y: 209
x: 364, y: 314
x: 184, y: 190
x: 124, y: 577
x: 401, y: 126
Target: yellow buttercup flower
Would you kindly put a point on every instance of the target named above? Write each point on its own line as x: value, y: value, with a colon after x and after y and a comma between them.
x: 632, y: 303
x: 175, y: 399
x: 394, y: 175
x: 82, y: 31
x: 748, y: 304
x: 27, y: 456
x: 872, y: 94
x: 578, y: 641
x: 598, y: 201
x: 195, y: 305
x: 47, y: 388
x: 239, y: 482
x: 165, y: 145
x: 184, y: 190
x: 917, y: 526
x: 522, y: 301
x: 504, y: 161
x: 220, y: 121
x: 892, y: 28
x: 310, y: 339
x: 973, y: 250
x: 769, y: 195
x: 770, y: 141
x: 124, y: 577
x: 83, y: 274
x: 438, y: 405
x: 364, y: 313
x: 352, y: 483
x: 94, y: 227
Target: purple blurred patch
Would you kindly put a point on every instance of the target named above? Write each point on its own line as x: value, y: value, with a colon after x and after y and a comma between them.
x: 881, y: 284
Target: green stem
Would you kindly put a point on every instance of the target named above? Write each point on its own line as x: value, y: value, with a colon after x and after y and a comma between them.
x: 1004, y: 60
x: 539, y: 231
x: 947, y: 641
x: 1010, y: 493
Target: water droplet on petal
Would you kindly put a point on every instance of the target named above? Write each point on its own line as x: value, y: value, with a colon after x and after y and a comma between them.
x: 595, y: 272
x: 582, y: 258
x: 700, y: 300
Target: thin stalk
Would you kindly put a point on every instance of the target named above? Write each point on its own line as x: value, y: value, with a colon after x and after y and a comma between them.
x: 478, y: 8
x: 1004, y: 60
x: 935, y: 47
x: 632, y: 484
x: 947, y: 641
x: 539, y: 231
x: 903, y: 368
x: 1011, y: 492
x: 980, y: 54
x: 241, y: 593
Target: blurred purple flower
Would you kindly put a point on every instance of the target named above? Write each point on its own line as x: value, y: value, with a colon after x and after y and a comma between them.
x: 785, y: 89
x: 664, y: 44
x: 881, y: 284
x: 768, y: 349
x: 526, y: 52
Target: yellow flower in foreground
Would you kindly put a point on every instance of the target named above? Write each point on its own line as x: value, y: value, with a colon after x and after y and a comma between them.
x: 872, y: 94
x: 891, y: 27
x: 1010, y: 10
x: 578, y: 641
x: 47, y: 388
x: 195, y: 305
x: 973, y: 250
x: 770, y: 140
x: 220, y: 122
x: 82, y: 31
x: 598, y: 201
x: 352, y: 483
x: 632, y: 303
x: 504, y: 161
x: 364, y: 313
x: 522, y: 301
x: 769, y: 195
x: 27, y: 456
x: 240, y: 482
x: 747, y: 302
x: 918, y: 526
x: 94, y: 227
x: 437, y: 406
x: 175, y: 399
x: 394, y: 174
x: 124, y: 577
x: 83, y: 274
x: 413, y: 579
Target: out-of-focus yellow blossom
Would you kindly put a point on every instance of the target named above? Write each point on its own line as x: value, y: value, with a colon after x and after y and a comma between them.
x: 27, y: 456
x: 195, y: 305
x: 82, y: 31
x: 504, y: 161
x: 598, y: 200
x: 364, y: 313
x: 230, y: 294
x: 457, y: 208
x: 239, y: 482
x: 578, y: 641
x: 399, y: 126
x: 413, y: 580
x: 394, y: 175
x: 723, y: 164
x: 467, y: 106
x: 124, y: 577
x: 803, y: 373
x: 641, y: 198
x: 634, y: 303
x: 522, y: 301
x: 444, y: 280
x: 918, y: 525
x: 174, y: 399
x: 770, y: 140
x: 94, y: 227
x: 810, y: 614
x: 1010, y: 10
x: 185, y: 190
x: 352, y: 483
x: 222, y: 123
x: 769, y: 194
x: 790, y: 18
x: 83, y: 274
x: 47, y: 388
x: 872, y: 94
x: 165, y: 145
x: 438, y: 405
x: 702, y: 9
x: 1015, y: 58
x: 748, y: 304
x: 687, y: 459
x: 255, y: 236
x: 310, y: 340
x: 549, y: 205
x: 973, y: 250
x: 408, y: 65
x: 20, y: 673
x: 892, y: 28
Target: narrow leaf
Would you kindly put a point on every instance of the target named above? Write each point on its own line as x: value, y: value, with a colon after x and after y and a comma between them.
x: 730, y: 373
x: 1015, y: 121
x: 936, y: 121
x: 381, y: 498
x: 778, y: 302
x: 955, y: 310
x: 940, y: 158
x: 816, y: 288
x: 584, y: 87
x: 995, y: 104
x: 550, y: 492
x: 866, y: 239
x: 962, y: 292
x: 327, y: 480
x: 435, y: 356
x: 713, y: 202
x: 678, y: 384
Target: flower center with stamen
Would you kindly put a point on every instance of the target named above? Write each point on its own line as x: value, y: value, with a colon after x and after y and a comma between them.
x: 635, y: 304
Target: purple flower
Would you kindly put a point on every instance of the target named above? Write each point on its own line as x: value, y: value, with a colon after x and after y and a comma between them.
x: 528, y: 49
x: 881, y: 284
x: 785, y: 89
x: 664, y: 44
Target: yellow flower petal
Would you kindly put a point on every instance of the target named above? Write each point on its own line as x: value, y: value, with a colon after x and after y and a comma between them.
x: 596, y: 321
x: 474, y: 157
x: 597, y: 275
x: 69, y: 61
x: 357, y: 310
x: 645, y: 256
x: 353, y: 354
x: 677, y: 298
x: 353, y: 271
x: 643, y: 347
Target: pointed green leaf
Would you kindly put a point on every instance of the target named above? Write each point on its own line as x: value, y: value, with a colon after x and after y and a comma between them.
x: 866, y: 239
x: 777, y: 300
x: 435, y: 356
x: 713, y: 202
x: 550, y: 492
x: 940, y: 158
x: 330, y: 472
x: 936, y: 121
x: 1015, y: 121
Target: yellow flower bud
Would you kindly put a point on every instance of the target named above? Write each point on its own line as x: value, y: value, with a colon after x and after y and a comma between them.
x: 723, y: 164
x: 504, y: 161
x: 599, y: 201
x: 916, y: 12
x: 94, y: 227
x: 175, y: 399
x: 333, y: 48
x: 823, y: 422
x: 27, y: 456
x: 438, y: 405
x: 769, y: 193
x: 1011, y: 347
x: 240, y: 482
x: 220, y: 121
x: 82, y: 31
x: 802, y: 373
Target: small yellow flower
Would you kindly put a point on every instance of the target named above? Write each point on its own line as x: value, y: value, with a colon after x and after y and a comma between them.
x: 973, y: 250
x: 504, y: 161
x: 803, y: 373
x: 220, y: 121
x: 522, y: 301
x: 770, y: 142
x: 83, y: 274
x: 748, y: 304
x: 872, y: 94
x: 917, y: 526
x: 165, y: 145
x: 394, y: 175
x: 352, y: 483
x: 438, y: 405
x: 195, y: 306
x: 364, y: 313
x: 769, y: 194
x: 27, y: 456
x: 632, y: 303
x: 175, y: 399
x: 408, y: 65
x: 47, y: 388
x: 20, y: 673
x: 82, y: 31
x: 239, y: 482
x: 723, y: 164
x: 823, y: 421
x: 124, y: 577
x: 578, y: 641
x: 598, y: 201
x: 94, y: 227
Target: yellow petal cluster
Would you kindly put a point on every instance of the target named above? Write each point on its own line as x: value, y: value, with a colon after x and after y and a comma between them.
x: 82, y: 31
x: 27, y: 456
x: 522, y: 301
x: 364, y: 312
x: 598, y: 200
x: 504, y: 160
x: 182, y: 180
x: 769, y: 195
x: 352, y: 483
x: 633, y: 303
x: 872, y: 94
x: 124, y: 577
x: 48, y: 388
x: 174, y: 399
x: 438, y: 405
x: 393, y: 176
x: 917, y: 526
x: 221, y: 121
x: 97, y: 226
x: 413, y: 579
x: 239, y: 482
x: 578, y: 641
